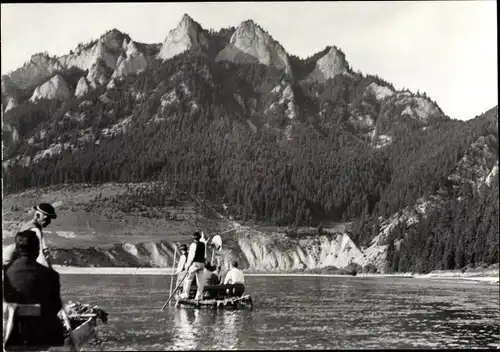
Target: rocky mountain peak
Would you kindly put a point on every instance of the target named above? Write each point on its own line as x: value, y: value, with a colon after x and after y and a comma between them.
x: 38, y: 69
x: 188, y: 35
x: 114, y: 39
x: 187, y: 20
x: 330, y: 65
x: 251, y: 44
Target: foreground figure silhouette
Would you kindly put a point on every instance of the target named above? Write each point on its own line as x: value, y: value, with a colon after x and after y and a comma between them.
x: 28, y: 282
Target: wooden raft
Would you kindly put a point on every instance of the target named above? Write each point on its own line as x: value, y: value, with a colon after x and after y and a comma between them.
x: 244, y: 301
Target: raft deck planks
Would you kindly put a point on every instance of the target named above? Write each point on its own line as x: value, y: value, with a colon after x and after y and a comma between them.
x: 232, y: 302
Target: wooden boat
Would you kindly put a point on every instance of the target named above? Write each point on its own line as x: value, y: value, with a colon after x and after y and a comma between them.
x: 241, y: 302
x: 83, y: 328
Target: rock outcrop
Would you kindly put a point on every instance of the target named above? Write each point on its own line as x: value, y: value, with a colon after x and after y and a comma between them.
x: 330, y: 65
x: 113, y: 53
x: 418, y: 107
x: 98, y: 74
x: 284, y: 97
x: 107, y: 48
x: 251, y: 44
x: 188, y: 35
x: 380, y: 92
x: 11, y: 104
x: 55, y: 88
x: 82, y: 87
x: 36, y: 71
x: 130, y: 62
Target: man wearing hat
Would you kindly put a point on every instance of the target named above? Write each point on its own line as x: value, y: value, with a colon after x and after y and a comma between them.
x: 44, y: 213
x: 195, y: 265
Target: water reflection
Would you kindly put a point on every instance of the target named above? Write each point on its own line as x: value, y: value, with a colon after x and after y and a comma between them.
x: 184, y: 329
x: 226, y: 333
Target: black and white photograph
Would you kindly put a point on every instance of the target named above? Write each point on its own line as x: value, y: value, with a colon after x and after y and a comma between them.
x: 301, y: 175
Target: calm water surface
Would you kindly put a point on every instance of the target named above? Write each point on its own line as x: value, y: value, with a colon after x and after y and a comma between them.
x: 297, y: 313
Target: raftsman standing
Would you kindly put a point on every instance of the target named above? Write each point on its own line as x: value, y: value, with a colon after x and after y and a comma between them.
x: 195, y: 265
x: 44, y: 213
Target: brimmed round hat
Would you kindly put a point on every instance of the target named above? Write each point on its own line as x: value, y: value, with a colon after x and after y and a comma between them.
x: 46, y: 209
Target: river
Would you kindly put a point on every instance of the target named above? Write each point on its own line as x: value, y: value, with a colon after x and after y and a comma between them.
x: 296, y: 313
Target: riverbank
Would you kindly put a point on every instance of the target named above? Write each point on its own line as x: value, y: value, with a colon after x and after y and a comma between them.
x: 490, y: 276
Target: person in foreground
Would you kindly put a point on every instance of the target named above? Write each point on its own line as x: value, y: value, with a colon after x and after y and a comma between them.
x: 28, y: 282
x: 44, y: 213
x: 235, y: 278
x: 195, y: 265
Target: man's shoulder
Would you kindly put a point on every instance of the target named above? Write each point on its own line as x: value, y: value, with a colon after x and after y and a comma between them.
x: 33, y: 226
x: 26, y: 225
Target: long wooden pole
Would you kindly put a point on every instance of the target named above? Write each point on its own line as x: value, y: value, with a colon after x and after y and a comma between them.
x: 173, y: 271
x: 173, y: 293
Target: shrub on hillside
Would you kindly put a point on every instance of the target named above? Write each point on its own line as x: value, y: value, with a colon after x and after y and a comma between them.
x: 370, y: 268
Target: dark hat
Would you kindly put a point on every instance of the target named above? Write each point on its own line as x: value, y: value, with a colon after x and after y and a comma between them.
x: 46, y: 209
x: 196, y: 235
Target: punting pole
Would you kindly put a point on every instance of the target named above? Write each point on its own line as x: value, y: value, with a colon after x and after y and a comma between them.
x: 173, y: 293
x: 173, y: 271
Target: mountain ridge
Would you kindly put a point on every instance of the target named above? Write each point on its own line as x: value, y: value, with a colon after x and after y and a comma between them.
x: 267, y: 136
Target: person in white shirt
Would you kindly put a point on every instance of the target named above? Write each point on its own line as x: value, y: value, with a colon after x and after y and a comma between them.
x: 182, y: 259
x: 235, y: 280
x: 195, y: 265
x: 181, y: 266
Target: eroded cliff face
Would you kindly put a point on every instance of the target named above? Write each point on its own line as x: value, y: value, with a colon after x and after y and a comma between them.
x: 281, y: 252
x: 158, y: 254
x: 254, y: 250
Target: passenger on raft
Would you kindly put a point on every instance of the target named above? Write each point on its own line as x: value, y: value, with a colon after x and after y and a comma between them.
x: 209, y: 276
x: 210, y: 279
x: 235, y: 280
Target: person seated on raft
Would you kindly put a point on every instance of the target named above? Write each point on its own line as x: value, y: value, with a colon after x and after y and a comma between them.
x: 235, y: 280
x: 28, y: 282
x: 221, y: 273
x: 209, y: 276
x: 233, y: 284
x: 210, y: 279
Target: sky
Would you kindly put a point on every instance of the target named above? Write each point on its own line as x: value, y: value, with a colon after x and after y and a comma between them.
x: 447, y: 49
